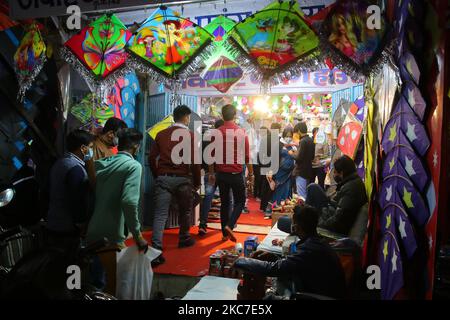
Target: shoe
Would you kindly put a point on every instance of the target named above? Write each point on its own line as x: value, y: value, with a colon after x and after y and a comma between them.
x: 225, y: 238
x: 230, y: 234
x: 158, y: 261
x: 267, y: 215
x: 186, y: 243
x: 202, y: 231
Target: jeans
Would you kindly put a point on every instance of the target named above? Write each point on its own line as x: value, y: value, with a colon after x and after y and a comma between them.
x: 316, y: 197
x: 181, y: 189
x: 301, y: 184
x: 210, y: 191
x: 235, y: 183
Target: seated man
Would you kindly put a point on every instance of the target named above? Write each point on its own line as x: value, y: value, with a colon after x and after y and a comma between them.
x: 313, y: 268
x: 339, y: 213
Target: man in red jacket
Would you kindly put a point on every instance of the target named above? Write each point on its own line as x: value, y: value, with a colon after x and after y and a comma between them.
x: 176, y: 175
x: 230, y: 171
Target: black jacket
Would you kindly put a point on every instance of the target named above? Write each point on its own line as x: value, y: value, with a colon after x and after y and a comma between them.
x: 305, y: 157
x: 340, y: 216
x: 314, y: 268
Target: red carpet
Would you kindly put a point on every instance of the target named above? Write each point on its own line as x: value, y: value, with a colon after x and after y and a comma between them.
x: 254, y: 217
x: 193, y: 261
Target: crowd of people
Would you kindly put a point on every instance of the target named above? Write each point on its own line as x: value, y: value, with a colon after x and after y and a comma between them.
x: 95, y: 188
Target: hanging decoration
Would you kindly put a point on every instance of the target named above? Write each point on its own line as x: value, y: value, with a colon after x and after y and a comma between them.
x: 357, y: 109
x: 349, y: 136
x: 221, y: 71
x: 29, y: 59
x: 349, y: 43
x: 122, y: 98
x: 405, y: 177
x: 223, y: 74
x: 169, y: 47
x: 98, y: 51
x: 92, y: 112
x: 275, y: 44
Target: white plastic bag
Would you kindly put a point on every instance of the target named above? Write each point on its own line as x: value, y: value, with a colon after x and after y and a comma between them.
x: 134, y: 273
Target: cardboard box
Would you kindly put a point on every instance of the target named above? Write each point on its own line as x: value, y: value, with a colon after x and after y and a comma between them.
x: 277, y: 215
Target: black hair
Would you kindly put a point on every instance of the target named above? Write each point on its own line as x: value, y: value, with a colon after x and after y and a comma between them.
x: 128, y: 138
x: 78, y: 138
x: 275, y: 126
x: 301, y: 127
x: 219, y: 123
x: 315, y: 130
x: 307, y: 217
x: 114, y: 124
x: 228, y: 112
x: 346, y: 165
x: 286, y: 131
x: 180, y: 112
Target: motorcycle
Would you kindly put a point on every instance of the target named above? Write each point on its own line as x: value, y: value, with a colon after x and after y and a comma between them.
x: 42, y: 272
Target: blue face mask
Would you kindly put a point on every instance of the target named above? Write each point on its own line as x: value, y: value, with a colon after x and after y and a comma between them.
x: 89, y: 155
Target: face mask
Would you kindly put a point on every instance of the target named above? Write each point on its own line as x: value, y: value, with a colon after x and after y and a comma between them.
x: 115, y: 141
x: 89, y: 155
x: 288, y: 140
x: 338, y: 179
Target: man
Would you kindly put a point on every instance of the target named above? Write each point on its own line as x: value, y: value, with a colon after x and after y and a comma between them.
x: 107, y: 139
x: 339, y: 214
x: 174, y: 180
x: 118, y: 189
x: 210, y: 190
x: 69, y: 191
x: 304, y: 158
x: 313, y: 268
x: 230, y: 172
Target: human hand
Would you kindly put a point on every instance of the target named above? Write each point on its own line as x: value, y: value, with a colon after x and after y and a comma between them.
x: 142, y: 245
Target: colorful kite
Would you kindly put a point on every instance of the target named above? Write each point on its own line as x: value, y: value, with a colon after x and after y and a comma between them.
x: 357, y: 108
x: 355, y: 46
x: 391, y: 266
x: 98, y: 50
x: 223, y: 74
x: 168, y: 44
x: 405, y: 128
x: 91, y: 112
x: 396, y: 220
x: 275, y: 39
x: 29, y: 59
x: 349, y: 136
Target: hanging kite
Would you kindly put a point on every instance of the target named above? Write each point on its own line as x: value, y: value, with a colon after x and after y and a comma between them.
x: 91, y: 112
x: 29, y: 59
x: 357, y: 109
x: 350, y: 42
x: 98, y: 51
x: 349, y: 136
x: 391, y: 266
x: 276, y: 42
x: 221, y: 71
x: 168, y: 47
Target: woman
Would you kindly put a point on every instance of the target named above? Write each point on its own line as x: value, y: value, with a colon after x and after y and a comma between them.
x: 283, y: 181
x: 342, y: 36
x: 321, y: 153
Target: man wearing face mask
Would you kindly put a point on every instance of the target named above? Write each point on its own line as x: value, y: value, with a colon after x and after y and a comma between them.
x: 339, y: 213
x: 118, y: 189
x: 69, y: 191
x: 107, y: 140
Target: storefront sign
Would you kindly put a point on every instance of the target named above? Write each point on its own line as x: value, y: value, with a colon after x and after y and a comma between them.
x: 237, y: 10
x: 308, y: 82
x: 26, y: 9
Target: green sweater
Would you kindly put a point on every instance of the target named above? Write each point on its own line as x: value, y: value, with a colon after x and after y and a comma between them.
x: 117, y: 193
